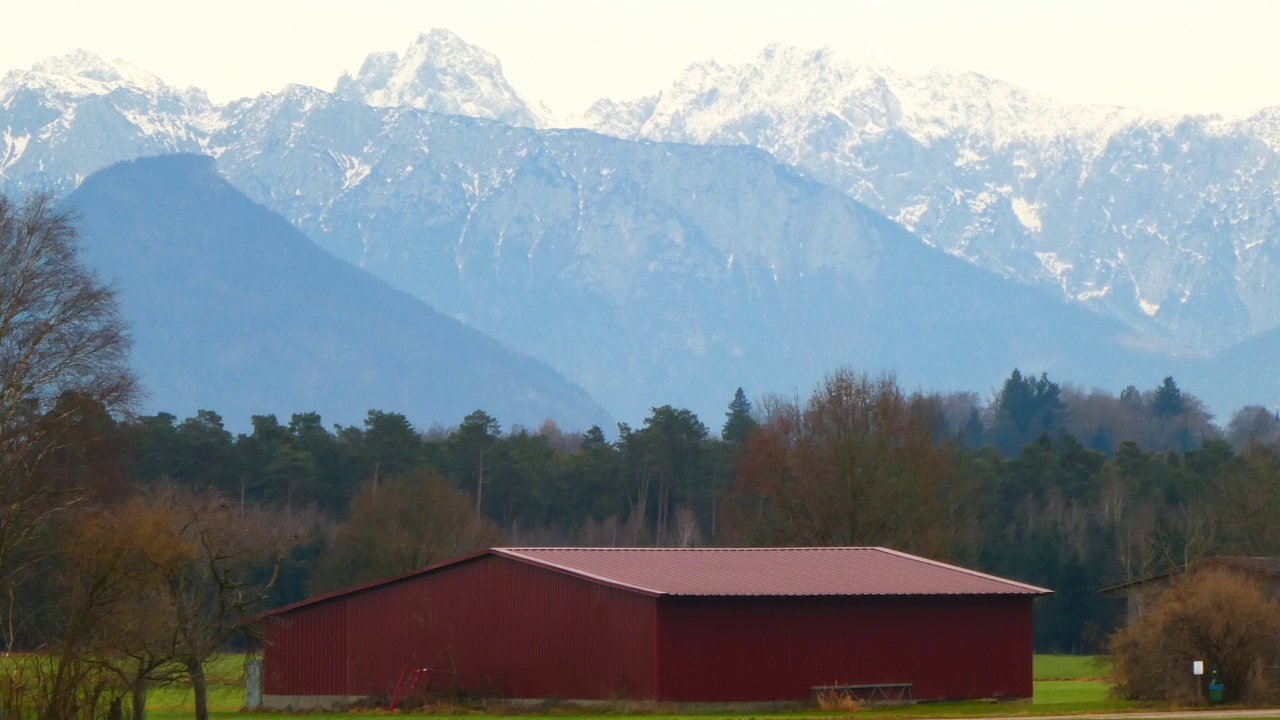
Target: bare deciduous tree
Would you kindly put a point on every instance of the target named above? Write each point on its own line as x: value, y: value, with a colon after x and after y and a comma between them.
x: 116, y: 607
x: 1253, y: 424
x: 406, y: 524
x: 63, y: 349
x: 856, y: 465
x: 236, y: 562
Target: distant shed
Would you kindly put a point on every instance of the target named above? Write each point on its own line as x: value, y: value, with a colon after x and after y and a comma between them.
x: 1263, y: 570
x: 667, y: 625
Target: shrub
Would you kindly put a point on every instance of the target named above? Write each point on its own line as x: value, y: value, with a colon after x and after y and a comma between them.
x: 1214, y: 615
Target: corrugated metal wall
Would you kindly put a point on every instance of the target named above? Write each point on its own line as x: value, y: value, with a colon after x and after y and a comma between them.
x: 498, y: 625
x: 305, y: 652
x: 769, y: 648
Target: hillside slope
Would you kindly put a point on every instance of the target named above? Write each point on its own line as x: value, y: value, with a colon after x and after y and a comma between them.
x: 236, y: 311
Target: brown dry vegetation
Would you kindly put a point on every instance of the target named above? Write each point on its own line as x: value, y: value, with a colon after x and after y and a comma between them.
x: 1214, y: 615
x: 854, y: 465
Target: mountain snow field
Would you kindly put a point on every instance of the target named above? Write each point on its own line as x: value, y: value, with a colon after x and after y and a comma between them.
x: 754, y: 224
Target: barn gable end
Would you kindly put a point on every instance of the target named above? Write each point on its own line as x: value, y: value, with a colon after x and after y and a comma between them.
x: 489, y: 624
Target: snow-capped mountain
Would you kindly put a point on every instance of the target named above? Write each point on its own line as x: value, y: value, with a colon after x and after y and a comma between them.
x: 70, y: 116
x: 1167, y: 222
x: 442, y: 73
x: 647, y: 272
x: 652, y: 272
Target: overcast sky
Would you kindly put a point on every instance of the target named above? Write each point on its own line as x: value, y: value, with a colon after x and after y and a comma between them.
x: 1182, y: 55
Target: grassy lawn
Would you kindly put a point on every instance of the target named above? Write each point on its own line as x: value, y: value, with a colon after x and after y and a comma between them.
x: 1068, y: 667
x: 1064, y: 685
x: 1051, y: 697
x: 180, y: 697
x: 1074, y: 692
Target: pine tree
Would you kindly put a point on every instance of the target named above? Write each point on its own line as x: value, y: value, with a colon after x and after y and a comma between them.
x: 738, y: 422
x: 1167, y: 400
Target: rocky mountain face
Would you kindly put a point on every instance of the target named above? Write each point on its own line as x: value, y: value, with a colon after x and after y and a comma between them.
x: 1167, y: 222
x: 653, y: 272
x: 70, y: 116
x: 235, y: 311
x: 73, y: 115
x: 648, y: 273
x: 442, y: 73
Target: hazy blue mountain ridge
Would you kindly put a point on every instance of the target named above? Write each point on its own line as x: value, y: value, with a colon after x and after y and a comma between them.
x: 236, y: 311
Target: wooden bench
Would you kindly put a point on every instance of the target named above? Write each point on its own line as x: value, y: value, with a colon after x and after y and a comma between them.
x: 871, y: 693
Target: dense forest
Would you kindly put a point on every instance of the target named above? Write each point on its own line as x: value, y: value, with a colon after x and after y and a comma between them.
x: 1046, y: 484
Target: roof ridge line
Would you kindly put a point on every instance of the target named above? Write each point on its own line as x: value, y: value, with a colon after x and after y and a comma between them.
x: 938, y: 563
x: 576, y: 572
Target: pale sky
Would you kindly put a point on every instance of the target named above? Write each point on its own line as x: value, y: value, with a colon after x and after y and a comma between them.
x: 1180, y: 55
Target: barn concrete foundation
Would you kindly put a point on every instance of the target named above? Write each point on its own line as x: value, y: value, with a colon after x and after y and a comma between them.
x: 309, y: 702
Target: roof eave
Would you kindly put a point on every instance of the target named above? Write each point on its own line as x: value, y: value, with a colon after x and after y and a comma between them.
x: 355, y: 589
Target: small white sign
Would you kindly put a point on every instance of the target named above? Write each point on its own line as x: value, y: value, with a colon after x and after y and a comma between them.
x: 1197, y: 667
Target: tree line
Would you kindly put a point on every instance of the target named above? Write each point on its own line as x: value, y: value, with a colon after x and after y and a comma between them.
x: 1007, y: 486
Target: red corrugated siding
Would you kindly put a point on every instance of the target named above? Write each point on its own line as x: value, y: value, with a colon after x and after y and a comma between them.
x: 765, y: 649
x: 498, y: 624
x: 305, y: 652
x: 517, y: 629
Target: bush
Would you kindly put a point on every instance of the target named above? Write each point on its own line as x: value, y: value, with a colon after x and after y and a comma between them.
x: 1215, y: 615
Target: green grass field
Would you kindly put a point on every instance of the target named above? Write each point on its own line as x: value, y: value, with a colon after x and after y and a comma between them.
x: 1069, y: 667
x: 1063, y: 685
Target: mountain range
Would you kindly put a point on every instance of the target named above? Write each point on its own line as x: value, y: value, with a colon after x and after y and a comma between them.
x: 752, y: 225
x: 1167, y: 222
x: 234, y: 310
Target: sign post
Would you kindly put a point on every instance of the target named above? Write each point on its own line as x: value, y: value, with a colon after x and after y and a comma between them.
x: 1197, y: 671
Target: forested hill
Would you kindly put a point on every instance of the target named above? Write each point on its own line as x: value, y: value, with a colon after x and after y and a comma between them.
x: 231, y: 305
x: 1064, y: 489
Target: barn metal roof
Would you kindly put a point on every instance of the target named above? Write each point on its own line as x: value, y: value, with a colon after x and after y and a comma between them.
x: 769, y: 571
x: 848, y: 571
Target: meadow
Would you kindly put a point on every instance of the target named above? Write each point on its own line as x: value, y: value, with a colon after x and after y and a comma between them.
x: 1064, y: 684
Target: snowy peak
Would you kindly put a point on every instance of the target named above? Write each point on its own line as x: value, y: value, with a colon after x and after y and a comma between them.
x: 71, y: 115
x: 439, y: 72
x: 81, y: 74
x: 1166, y: 221
x: 1265, y: 125
x: 90, y: 67
x: 710, y: 103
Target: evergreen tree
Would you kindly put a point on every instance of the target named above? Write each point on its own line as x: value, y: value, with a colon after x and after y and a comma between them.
x: 1027, y: 408
x: 1167, y: 400
x: 674, y: 443
x: 594, y: 439
x: 391, y: 445
x: 473, y: 455
x: 738, y: 422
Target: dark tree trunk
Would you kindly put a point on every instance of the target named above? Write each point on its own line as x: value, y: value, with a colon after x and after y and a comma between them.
x: 138, y: 694
x: 195, y: 667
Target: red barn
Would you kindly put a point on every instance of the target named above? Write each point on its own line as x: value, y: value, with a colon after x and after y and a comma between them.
x: 668, y: 625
